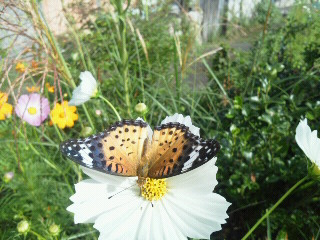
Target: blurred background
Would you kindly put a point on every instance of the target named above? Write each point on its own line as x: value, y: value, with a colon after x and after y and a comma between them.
x: 246, y: 71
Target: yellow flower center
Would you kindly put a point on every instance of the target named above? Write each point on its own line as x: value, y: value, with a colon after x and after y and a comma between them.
x: 32, y: 110
x: 154, y: 189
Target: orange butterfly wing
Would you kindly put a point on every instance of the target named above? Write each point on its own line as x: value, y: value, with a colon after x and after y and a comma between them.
x: 117, y: 150
x: 175, y: 150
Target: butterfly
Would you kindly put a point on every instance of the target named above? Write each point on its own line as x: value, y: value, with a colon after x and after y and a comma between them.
x: 128, y: 148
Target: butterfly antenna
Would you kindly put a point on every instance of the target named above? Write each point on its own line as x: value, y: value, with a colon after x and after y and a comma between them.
x: 121, y: 191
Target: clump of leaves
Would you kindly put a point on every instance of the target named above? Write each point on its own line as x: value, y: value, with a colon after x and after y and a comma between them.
x: 272, y: 87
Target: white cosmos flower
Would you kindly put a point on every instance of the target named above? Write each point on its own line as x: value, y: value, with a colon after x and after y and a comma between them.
x: 189, y: 208
x: 308, y: 142
x: 86, y: 89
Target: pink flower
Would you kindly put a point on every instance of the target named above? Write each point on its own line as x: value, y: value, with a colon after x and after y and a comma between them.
x: 31, y: 110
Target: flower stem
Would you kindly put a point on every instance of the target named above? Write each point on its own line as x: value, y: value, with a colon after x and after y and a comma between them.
x: 110, y: 105
x: 122, y: 45
x: 58, y: 132
x: 88, y: 116
x: 37, y: 234
x: 275, y: 206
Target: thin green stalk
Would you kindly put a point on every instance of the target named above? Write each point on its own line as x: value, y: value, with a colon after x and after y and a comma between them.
x: 81, y: 48
x: 38, y: 154
x: 37, y: 235
x: 76, y: 37
x: 58, y: 132
x: 268, y: 227
x: 176, y: 72
x: 43, y: 149
x: 217, y: 80
x: 122, y: 43
x: 45, y: 136
x: 53, y: 42
x: 158, y: 103
x: 88, y: 116
x: 275, y: 206
x: 115, y: 55
x: 139, y: 64
x: 110, y: 105
x: 257, y: 53
x: 34, y: 143
x: 171, y: 96
x: 46, y: 160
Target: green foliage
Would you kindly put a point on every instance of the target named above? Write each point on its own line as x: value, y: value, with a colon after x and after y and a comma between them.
x: 271, y: 91
x: 302, y: 37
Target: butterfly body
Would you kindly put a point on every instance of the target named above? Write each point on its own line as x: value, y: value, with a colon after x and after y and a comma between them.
x: 128, y: 148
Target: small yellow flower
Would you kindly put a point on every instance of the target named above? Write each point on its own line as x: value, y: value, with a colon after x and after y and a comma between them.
x: 20, y: 67
x: 64, y: 115
x: 5, y: 108
x: 33, y: 89
x: 50, y: 88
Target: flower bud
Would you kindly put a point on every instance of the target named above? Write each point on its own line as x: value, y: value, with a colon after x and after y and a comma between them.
x: 23, y: 226
x: 54, y: 229
x: 8, y: 177
x: 140, y: 108
x: 86, y: 131
x: 314, y: 171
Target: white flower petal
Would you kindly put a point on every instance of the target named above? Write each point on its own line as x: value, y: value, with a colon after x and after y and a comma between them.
x: 202, y: 212
x: 190, y: 180
x: 88, y: 82
x: 183, y: 120
x: 308, y: 141
x: 197, y: 217
x: 121, y: 221
x: 119, y: 181
x: 78, y: 97
x: 92, y: 199
x: 162, y: 221
x: 85, y: 90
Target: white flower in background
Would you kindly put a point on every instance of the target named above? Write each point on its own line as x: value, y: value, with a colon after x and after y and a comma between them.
x: 175, y: 9
x: 177, y: 207
x: 308, y: 142
x: 86, y: 89
x: 135, y: 11
x: 149, y: 2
